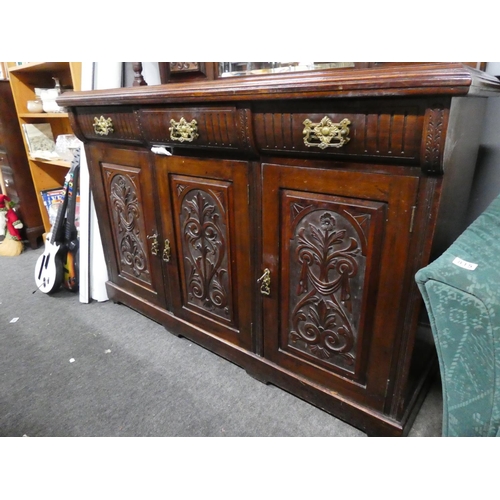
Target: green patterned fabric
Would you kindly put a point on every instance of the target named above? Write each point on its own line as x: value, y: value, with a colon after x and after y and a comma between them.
x: 464, y: 312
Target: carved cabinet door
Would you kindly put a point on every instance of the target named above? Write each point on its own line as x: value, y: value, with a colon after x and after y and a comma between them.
x: 125, y: 200
x: 206, y: 229
x: 334, y: 256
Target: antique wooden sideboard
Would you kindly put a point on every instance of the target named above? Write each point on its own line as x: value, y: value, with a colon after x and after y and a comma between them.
x: 278, y: 220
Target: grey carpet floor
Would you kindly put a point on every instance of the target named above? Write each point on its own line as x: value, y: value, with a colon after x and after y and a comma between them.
x: 101, y: 369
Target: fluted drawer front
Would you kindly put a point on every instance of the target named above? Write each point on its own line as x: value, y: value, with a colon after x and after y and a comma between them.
x: 353, y: 129
x: 208, y: 127
x: 117, y: 124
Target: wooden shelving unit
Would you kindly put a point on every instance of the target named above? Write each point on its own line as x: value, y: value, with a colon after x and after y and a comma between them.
x: 24, y: 79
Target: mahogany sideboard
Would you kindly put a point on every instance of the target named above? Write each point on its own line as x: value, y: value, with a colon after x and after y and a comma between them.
x: 279, y: 220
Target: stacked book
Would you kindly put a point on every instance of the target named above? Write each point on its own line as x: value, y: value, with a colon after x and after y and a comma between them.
x: 40, y: 140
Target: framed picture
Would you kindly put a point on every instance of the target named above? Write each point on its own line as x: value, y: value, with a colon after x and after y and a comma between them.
x: 184, y: 71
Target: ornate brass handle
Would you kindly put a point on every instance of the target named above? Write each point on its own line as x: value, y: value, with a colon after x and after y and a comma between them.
x: 166, y: 251
x: 326, y: 134
x: 155, y: 246
x: 265, y: 280
x: 103, y: 126
x: 183, y: 131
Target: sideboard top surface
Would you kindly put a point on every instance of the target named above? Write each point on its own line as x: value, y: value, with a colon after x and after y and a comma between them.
x: 412, y: 80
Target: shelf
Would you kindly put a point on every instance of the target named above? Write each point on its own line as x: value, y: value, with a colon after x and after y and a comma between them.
x: 57, y: 163
x: 46, y: 174
x: 43, y: 115
x: 37, y: 67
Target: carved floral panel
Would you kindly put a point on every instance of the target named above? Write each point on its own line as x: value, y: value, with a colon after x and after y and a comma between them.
x: 327, y: 240
x: 123, y: 191
x: 202, y: 218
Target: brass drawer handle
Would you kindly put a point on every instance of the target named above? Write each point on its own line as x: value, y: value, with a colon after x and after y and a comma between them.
x: 166, y: 251
x: 155, y: 246
x: 183, y: 131
x: 326, y: 134
x: 103, y: 126
x: 265, y: 279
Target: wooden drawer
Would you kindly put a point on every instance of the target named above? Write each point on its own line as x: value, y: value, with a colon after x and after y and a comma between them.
x: 116, y: 124
x: 206, y: 126
x: 353, y: 129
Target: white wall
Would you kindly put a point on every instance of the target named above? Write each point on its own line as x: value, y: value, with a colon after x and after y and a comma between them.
x: 493, y: 68
x: 93, y: 272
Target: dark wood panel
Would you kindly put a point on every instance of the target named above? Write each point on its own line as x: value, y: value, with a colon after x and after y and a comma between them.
x: 206, y: 219
x: 123, y: 125
x: 394, y: 134
x: 323, y: 321
x: 403, y: 131
x: 123, y: 190
x: 328, y: 247
x: 202, y: 210
x: 12, y: 155
x: 340, y: 231
x: 130, y: 229
x: 205, y: 127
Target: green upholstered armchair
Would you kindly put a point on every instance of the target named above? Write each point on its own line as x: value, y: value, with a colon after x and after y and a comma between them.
x: 461, y: 291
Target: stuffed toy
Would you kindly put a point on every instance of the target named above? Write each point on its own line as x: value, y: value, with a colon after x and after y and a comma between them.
x: 12, y: 245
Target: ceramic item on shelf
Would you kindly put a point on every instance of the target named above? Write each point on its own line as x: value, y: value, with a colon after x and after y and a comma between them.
x: 57, y: 85
x: 50, y: 105
x: 35, y: 106
x: 38, y: 92
x: 65, y: 146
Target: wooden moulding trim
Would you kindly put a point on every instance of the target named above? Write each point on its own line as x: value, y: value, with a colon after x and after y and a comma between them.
x: 433, y: 139
x: 444, y: 79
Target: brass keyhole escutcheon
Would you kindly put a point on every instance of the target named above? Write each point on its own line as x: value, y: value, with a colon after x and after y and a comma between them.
x: 155, y: 246
x: 265, y: 281
x: 166, y: 251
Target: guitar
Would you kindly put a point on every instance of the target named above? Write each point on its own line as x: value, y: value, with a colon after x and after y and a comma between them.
x: 71, y: 242
x: 49, y: 270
